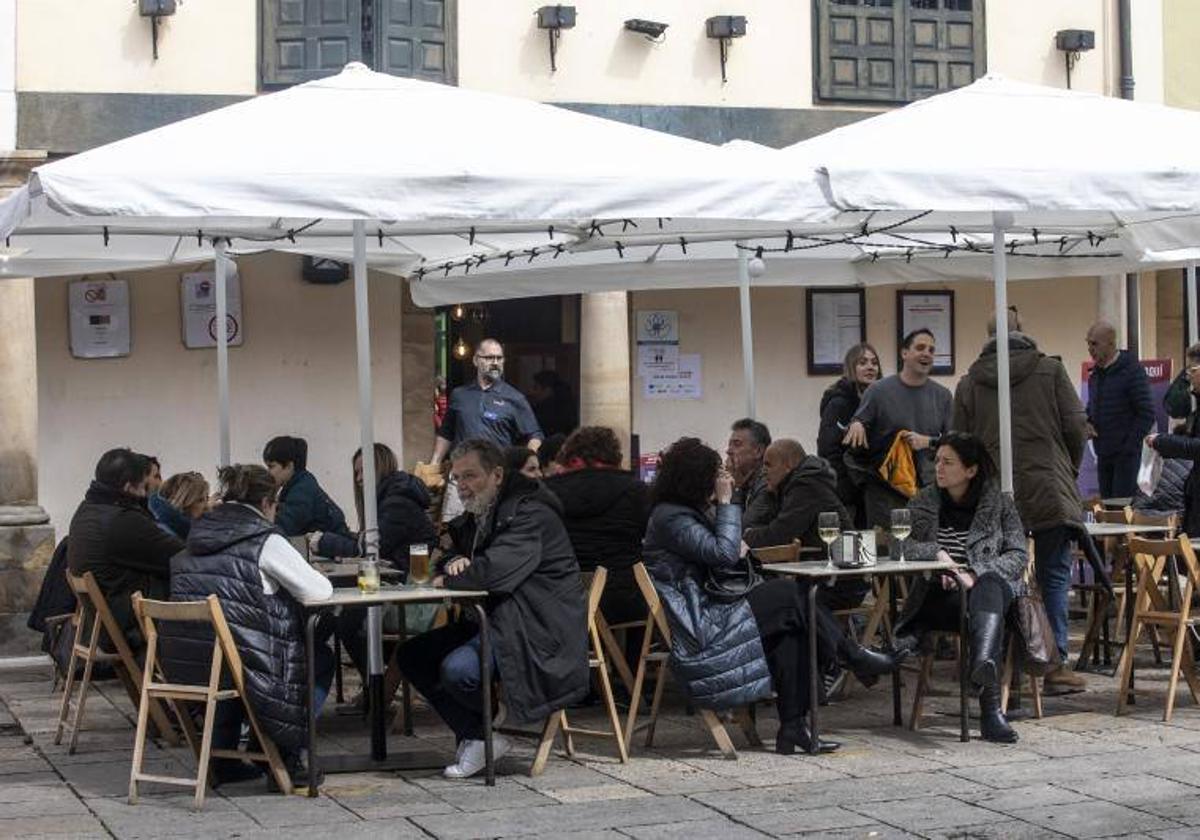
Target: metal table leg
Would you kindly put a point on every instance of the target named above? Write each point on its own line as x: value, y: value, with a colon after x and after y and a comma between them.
x: 377, y: 703
x: 1130, y: 642
x: 897, y: 717
x: 963, y: 657
x: 814, y: 738
x: 310, y: 656
x: 485, y: 678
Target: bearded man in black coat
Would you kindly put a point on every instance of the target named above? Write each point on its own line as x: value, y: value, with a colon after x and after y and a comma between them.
x: 512, y: 543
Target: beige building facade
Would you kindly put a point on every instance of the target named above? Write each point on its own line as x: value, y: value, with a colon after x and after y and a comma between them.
x: 81, y: 74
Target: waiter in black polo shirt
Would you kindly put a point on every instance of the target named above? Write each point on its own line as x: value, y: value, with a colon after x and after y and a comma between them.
x: 488, y: 408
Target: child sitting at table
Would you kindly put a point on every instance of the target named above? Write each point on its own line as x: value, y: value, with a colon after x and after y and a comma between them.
x: 303, y: 506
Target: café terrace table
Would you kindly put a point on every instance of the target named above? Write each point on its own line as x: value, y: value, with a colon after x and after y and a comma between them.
x: 1123, y: 530
x: 815, y: 572
x: 379, y: 758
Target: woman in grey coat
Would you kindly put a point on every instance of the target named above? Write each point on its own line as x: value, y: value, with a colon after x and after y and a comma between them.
x: 965, y: 518
x: 730, y: 651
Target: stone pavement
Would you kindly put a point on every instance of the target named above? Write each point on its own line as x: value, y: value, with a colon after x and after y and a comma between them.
x: 1079, y: 772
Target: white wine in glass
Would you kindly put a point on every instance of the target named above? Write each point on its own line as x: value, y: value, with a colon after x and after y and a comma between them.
x: 901, y: 528
x: 829, y: 528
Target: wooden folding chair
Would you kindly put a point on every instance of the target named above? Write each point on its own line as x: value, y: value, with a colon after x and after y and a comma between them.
x: 155, y: 686
x: 557, y: 722
x: 1152, y: 610
x: 95, y: 620
x: 656, y: 650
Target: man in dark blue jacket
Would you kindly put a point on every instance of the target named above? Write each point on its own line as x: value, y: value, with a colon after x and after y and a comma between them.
x: 1120, y: 411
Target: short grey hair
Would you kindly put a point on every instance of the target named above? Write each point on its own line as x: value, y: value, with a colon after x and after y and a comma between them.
x: 1014, y: 321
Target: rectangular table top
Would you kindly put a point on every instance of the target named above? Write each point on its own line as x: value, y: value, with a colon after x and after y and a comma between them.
x: 352, y: 597
x: 819, y: 569
x: 350, y: 568
x: 1120, y: 529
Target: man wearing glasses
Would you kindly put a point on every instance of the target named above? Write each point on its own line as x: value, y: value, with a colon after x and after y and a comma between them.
x: 488, y: 408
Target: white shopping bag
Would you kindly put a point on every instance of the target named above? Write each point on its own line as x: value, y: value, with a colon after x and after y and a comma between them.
x: 1149, y: 471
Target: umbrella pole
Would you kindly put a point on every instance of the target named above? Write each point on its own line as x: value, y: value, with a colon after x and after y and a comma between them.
x: 747, y: 331
x: 1192, y: 304
x: 221, y: 334
x: 1000, y: 282
x: 370, y: 533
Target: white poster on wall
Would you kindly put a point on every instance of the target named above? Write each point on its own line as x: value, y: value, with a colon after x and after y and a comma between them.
x: 683, y: 383
x: 197, y: 293
x: 657, y: 358
x: 99, y: 318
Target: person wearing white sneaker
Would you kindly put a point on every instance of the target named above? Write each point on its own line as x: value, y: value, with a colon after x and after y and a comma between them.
x: 511, y: 543
x: 471, y: 757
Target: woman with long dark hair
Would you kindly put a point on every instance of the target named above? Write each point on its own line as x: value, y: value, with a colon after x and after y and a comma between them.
x: 860, y: 369
x: 733, y: 637
x: 965, y: 518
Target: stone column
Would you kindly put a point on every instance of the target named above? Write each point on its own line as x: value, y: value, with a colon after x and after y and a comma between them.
x: 604, y: 375
x: 26, y: 538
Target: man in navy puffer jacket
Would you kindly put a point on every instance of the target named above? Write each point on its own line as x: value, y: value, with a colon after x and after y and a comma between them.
x: 1120, y: 411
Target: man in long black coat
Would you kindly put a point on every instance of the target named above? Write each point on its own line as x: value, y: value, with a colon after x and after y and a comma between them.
x: 512, y: 543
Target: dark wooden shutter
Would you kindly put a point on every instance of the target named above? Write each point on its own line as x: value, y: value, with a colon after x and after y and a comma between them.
x: 415, y: 38
x: 897, y: 50
x: 308, y: 39
x: 860, y: 55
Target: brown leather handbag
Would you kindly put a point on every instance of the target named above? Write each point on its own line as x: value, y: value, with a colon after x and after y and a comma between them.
x: 1039, y: 651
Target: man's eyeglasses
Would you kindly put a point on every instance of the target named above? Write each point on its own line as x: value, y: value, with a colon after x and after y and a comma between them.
x: 490, y: 358
x: 1190, y: 369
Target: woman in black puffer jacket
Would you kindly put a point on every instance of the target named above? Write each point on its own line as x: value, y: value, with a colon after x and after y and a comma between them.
x: 730, y: 652
x: 838, y: 404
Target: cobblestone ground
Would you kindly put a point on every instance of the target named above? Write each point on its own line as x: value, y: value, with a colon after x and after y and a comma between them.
x: 1079, y: 772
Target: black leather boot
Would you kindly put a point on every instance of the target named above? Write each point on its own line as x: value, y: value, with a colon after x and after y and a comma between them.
x: 869, y: 664
x: 992, y: 724
x: 795, y: 736
x: 987, y: 639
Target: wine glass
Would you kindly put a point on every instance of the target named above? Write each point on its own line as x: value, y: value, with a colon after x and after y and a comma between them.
x: 901, y: 528
x: 829, y: 528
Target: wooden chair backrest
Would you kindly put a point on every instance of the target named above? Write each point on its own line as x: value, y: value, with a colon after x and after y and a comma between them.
x: 650, y: 594
x: 1114, y: 517
x: 90, y: 598
x: 1180, y: 546
x: 1170, y: 521
x: 207, y: 612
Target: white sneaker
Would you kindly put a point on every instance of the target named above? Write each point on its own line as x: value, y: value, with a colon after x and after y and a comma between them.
x: 471, y: 761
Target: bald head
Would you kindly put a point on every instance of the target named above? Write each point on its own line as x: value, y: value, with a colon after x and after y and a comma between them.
x: 1014, y: 322
x: 1102, y: 343
x: 782, y: 456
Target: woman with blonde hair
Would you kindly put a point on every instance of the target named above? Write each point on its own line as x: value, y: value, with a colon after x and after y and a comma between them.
x: 181, y: 498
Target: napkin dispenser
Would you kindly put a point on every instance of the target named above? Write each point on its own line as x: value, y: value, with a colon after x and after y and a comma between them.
x: 854, y: 550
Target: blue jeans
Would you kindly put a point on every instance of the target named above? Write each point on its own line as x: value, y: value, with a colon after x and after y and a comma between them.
x: 443, y: 665
x: 1052, y: 561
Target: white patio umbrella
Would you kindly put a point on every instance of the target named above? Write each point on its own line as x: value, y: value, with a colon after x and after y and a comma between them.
x: 331, y: 165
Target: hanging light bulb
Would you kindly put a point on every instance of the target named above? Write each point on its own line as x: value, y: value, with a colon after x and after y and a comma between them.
x: 461, y: 350
x: 458, y: 312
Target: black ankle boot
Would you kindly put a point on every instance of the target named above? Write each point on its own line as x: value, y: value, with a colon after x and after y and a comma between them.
x: 987, y: 638
x: 793, y: 737
x: 992, y: 724
x: 869, y: 664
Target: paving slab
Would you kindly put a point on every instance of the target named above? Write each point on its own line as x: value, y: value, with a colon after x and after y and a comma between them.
x: 1093, y: 819
x: 564, y: 819
x: 59, y: 825
x: 1014, y: 799
x: 924, y: 813
x: 801, y: 819
x: 1135, y: 790
x: 378, y: 799
x: 711, y: 829
x: 275, y: 811
x: 156, y: 817
x: 1002, y: 830
x: 665, y: 776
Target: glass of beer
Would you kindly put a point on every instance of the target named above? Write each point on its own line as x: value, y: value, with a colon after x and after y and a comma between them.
x: 418, y: 564
x: 368, y: 575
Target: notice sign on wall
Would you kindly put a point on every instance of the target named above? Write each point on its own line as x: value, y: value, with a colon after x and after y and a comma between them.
x: 99, y: 316
x: 683, y: 383
x: 198, y: 294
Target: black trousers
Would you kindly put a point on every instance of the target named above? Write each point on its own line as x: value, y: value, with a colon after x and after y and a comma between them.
x: 780, y: 609
x: 939, y: 609
x: 443, y: 665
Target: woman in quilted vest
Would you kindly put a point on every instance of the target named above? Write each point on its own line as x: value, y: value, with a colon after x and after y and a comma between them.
x: 730, y: 650
x: 235, y: 552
